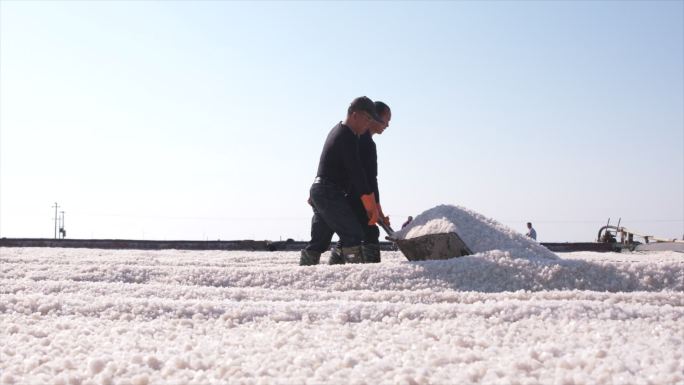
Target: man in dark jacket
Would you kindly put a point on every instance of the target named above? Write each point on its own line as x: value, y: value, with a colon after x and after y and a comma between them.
x: 369, y: 161
x: 339, y: 171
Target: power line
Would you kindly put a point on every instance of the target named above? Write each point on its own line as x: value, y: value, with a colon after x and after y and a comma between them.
x: 596, y: 221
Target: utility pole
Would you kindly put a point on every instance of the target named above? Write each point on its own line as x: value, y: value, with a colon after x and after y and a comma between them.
x: 56, y: 219
x: 62, y: 231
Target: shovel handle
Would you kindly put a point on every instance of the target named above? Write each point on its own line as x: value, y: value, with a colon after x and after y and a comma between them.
x: 387, y: 229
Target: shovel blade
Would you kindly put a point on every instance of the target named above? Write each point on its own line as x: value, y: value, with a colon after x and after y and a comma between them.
x: 433, y: 246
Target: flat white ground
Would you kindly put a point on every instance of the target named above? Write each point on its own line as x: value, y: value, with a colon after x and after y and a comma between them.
x: 81, y: 316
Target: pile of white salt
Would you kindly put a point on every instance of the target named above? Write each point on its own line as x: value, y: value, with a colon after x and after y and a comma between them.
x: 480, y: 234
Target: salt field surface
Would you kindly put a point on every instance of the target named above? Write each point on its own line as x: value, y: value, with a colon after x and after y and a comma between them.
x: 84, y: 316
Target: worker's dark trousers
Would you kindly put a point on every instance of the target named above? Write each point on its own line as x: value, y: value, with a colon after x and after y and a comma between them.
x: 332, y: 214
x: 371, y: 234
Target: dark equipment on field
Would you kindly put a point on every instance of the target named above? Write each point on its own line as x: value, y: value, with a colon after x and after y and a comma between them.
x: 609, y: 234
x: 430, y: 246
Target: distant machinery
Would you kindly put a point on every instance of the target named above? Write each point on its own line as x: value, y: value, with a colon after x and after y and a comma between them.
x: 62, y: 230
x: 59, y: 223
x: 609, y: 234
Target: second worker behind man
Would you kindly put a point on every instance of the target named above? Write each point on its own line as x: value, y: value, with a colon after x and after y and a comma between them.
x: 369, y: 161
x: 339, y: 172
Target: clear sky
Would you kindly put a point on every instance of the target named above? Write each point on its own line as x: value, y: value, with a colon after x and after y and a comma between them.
x: 205, y: 120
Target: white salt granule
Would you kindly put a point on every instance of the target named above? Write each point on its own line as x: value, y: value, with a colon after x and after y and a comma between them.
x: 480, y: 234
x: 96, y: 365
x: 154, y: 363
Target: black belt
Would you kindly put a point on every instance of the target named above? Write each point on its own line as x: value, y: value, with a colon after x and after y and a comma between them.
x: 325, y: 181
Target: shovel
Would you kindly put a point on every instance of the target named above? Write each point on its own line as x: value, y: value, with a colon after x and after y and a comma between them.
x: 430, y: 246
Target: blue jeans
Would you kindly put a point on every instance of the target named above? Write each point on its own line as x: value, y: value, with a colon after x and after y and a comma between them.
x: 332, y: 214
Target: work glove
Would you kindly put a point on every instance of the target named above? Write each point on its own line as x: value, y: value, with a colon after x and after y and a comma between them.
x: 371, y: 207
x: 382, y: 217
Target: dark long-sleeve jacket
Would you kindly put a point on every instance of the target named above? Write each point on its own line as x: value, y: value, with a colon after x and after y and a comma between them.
x: 340, y: 162
x: 369, y: 161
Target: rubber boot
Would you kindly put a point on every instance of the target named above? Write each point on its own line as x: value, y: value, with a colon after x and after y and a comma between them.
x: 352, y: 254
x: 371, y: 253
x: 309, y: 258
x: 336, y: 257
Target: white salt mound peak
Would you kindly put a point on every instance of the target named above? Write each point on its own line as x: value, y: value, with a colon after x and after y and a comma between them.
x: 480, y: 234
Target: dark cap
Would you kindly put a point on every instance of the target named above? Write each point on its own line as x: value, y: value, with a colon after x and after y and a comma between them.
x: 381, y: 107
x: 363, y: 103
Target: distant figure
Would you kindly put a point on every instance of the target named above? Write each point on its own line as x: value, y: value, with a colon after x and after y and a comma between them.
x: 608, y: 237
x: 531, y: 232
x: 410, y: 218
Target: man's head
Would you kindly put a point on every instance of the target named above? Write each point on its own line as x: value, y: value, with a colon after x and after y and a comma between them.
x: 361, y: 115
x: 529, y: 225
x: 385, y: 114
